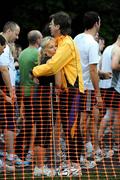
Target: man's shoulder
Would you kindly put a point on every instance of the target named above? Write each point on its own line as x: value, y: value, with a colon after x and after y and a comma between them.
x: 28, y: 51
x: 6, y: 51
x: 4, y: 57
x: 86, y: 38
x: 116, y: 49
x: 78, y: 36
x: 108, y: 49
x: 67, y: 41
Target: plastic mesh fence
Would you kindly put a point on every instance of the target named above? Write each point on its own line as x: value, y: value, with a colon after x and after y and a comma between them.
x: 60, y: 135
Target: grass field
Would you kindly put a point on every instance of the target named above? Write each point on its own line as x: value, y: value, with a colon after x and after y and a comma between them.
x: 29, y: 176
x: 108, y: 169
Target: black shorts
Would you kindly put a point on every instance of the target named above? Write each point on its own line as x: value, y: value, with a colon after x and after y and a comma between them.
x: 7, y: 116
x: 44, y: 116
x: 111, y: 98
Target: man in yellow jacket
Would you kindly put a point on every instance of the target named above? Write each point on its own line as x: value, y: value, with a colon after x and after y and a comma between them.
x: 66, y: 60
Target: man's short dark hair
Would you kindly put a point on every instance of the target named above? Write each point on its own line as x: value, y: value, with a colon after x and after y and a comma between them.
x: 63, y: 19
x: 90, y: 18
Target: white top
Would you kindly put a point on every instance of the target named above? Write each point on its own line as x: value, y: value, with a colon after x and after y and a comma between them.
x: 106, y: 66
x: 89, y: 53
x: 116, y: 81
x: 6, y: 59
x: 116, y: 74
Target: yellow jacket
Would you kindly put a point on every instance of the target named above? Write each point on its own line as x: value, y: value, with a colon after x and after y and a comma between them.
x: 66, y: 60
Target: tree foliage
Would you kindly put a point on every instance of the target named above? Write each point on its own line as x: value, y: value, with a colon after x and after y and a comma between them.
x: 33, y: 14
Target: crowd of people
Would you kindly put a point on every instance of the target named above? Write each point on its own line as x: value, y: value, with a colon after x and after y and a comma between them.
x: 58, y: 89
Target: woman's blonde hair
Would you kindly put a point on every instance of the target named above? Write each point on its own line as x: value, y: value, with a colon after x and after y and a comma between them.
x: 44, y: 43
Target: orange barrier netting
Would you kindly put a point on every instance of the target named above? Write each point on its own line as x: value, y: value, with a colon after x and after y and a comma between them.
x: 60, y: 134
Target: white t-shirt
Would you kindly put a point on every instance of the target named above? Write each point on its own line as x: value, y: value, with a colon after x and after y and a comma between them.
x: 89, y: 54
x: 106, y: 66
x: 6, y: 59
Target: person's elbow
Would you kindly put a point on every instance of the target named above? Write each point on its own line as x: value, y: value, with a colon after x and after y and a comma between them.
x: 3, y: 69
x: 35, y: 72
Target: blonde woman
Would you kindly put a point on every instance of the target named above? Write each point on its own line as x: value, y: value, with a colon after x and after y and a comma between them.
x: 44, y: 126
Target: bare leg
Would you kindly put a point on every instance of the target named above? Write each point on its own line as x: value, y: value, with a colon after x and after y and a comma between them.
x: 104, y: 123
x: 117, y: 126
x: 32, y: 140
x: 83, y: 125
x: 39, y: 156
x: 93, y: 132
x: 57, y: 132
x: 9, y: 141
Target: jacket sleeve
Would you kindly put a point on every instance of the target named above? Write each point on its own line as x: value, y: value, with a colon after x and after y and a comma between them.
x: 56, y: 63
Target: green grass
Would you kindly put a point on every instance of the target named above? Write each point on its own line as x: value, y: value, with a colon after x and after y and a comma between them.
x: 29, y: 176
x: 105, y: 170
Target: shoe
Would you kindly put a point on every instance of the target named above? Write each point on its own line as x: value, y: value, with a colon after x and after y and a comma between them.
x: 62, y: 165
x: 63, y: 144
x: 2, y: 138
x: 89, y: 154
x: 61, y: 156
x: 6, y: 167
x: 17, y: 161
x: 44, y: 171
x: 37, y: 171
x: 73, y: 169
x: 9, y: 168
x: 109, y: 153
x: 77, y: 167
x: 89, y: 149
x: 3, y: 154
x: 18, y: 132
x: 115, y: 147
x: 85, y: 164
x: 107, y: 131
x: 99, y: 155
x: 29, y: 157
